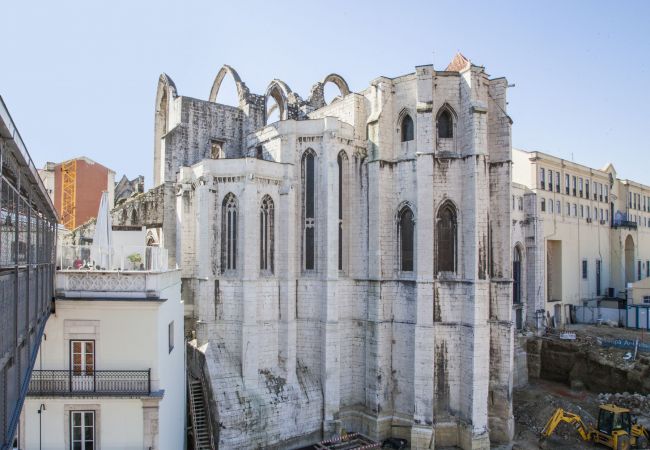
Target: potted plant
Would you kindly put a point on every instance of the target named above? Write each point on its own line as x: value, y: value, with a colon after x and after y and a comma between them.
x: 135, y: 259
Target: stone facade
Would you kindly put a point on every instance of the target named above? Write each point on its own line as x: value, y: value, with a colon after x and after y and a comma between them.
x: 125, y: 188
x: 349, y: 266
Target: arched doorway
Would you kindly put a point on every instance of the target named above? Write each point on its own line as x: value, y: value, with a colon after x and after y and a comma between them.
x: 629, y: 259
x: 517, y: 286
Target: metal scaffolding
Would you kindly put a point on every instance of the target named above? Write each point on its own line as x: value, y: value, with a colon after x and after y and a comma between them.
x: 69, y: 198
x: 28, y: 224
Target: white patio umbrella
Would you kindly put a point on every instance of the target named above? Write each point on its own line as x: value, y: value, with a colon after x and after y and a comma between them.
x: 100, y: 251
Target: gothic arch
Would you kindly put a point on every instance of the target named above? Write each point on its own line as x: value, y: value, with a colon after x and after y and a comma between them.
x: 401, y: 206
x: 165, y: 94
x: 338, y: 81
x: 229, y: 232
x: 452, y: 117
x: 216, y: 85
x: 279, y: 92
x: 405, y: 218
x: 152, y: 238
x: 399, y: 125
x: 518, y: 273
x: 447, y: 107
x: 446, y: 237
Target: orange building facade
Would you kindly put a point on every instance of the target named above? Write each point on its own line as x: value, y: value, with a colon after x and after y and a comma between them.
x: 76, y: 187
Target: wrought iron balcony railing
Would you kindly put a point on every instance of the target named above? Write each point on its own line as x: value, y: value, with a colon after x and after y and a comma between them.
x: 90, y: 383
x: 624, y: 224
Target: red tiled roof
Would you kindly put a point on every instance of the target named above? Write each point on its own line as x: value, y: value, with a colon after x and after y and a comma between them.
x: 458, y: 63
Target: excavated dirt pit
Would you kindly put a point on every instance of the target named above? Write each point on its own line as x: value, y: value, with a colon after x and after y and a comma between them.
x: 578, y: 376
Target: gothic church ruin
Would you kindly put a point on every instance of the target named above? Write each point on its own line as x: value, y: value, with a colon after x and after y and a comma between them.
x: 347, y: 267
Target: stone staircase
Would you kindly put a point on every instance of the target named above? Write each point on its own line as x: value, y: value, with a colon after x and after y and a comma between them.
x: 200, y: 425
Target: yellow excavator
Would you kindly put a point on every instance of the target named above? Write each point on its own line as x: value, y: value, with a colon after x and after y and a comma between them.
x: 615, y: 429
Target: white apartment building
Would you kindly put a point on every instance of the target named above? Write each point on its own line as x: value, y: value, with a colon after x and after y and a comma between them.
x: 110, y: 372
x: 596, y: 231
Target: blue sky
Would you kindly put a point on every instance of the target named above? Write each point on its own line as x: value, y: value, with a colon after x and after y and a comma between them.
x: 80, y: 77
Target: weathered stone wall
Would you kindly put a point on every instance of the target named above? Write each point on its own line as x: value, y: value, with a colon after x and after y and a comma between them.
x: 140, y: 210
x: 295, y: 355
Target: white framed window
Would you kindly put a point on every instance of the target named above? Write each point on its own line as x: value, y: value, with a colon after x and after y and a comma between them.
x: 558, y: 207
x: 82, y: 357
x: 646, y: 299
x: 82, y: 430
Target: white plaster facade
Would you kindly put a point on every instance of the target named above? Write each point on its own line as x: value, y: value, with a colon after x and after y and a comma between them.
x: 357, y: 339
x: 126, y: 316
x: 596, y: 232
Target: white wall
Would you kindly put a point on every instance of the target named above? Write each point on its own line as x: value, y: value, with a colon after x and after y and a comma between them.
x: 118, y: 422
x: 172, y: 369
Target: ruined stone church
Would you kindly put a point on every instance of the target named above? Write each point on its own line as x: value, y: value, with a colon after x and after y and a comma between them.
x: 347, y: 267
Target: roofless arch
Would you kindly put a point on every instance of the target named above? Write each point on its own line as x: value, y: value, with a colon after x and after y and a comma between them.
x: 216, y: 85
x: 338, y: 81
x: 165, y: 94
x: 279, y: 91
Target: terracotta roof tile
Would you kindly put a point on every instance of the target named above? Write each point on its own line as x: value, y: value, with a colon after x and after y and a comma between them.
x: 458, y: 63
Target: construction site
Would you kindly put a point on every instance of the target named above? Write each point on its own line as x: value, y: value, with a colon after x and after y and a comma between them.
x: 580, y: 370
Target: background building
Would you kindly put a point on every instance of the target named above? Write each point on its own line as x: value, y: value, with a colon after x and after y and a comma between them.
x: 110, y: 373
x: 125, y: 188
x: 596, y: 232
x: 76, y: 186
x: 27, y: 241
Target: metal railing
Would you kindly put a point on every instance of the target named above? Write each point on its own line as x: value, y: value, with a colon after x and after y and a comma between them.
x: 624, y: 224
x: 95, y: 382
x: 127, y: 257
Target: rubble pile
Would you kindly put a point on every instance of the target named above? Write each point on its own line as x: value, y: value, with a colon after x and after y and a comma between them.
x: 636, y: 403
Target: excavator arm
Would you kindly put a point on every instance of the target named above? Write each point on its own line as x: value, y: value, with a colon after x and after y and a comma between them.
x: 560, y: 416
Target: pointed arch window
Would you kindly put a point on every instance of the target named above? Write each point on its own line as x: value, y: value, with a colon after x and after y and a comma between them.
x: 516, y: 276
x: 406, y: 235
x: 408, y: 128
x: 229, y: 215
x: 342, y: 162
x: 266, y: 234
x: 445, y: 125
x: 309, y: 209
x: 447, y: 238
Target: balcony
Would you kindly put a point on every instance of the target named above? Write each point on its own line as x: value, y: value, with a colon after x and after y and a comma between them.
x: 624, y: 224
x: 97, y: 383
x: 131, y: 258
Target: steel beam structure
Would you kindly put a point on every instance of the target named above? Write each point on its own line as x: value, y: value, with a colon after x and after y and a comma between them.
x: 28, y: 224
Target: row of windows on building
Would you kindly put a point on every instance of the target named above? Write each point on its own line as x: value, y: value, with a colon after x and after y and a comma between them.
x: 641, y: 221
x: 638, y: 202
x: 573, y: 185
x: 446, y: 229
x: 574, y: 210
x: 444, y: 125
